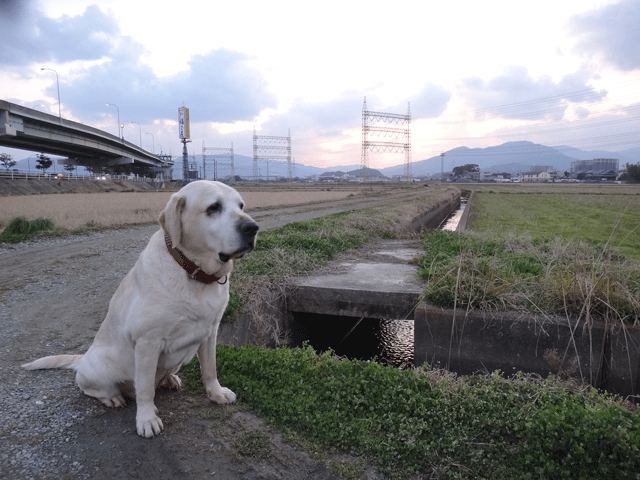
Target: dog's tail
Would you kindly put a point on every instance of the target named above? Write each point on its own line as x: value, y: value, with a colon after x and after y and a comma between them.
x: 54, y: 361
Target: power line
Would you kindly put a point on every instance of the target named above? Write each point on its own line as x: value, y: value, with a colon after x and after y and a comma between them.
x: 589, y: 97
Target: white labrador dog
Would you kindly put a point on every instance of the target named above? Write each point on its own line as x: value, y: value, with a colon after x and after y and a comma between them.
x: 169, y: 305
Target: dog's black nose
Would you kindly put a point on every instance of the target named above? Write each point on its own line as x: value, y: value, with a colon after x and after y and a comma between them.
x: 248, y: 229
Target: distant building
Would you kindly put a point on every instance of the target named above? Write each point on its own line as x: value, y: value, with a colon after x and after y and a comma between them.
x: 536, y: 177
x: 594, y: 167
x: 605, y: 176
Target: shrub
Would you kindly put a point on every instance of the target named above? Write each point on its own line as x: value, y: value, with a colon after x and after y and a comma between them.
x: 20, y: 229
x: 573, y: 440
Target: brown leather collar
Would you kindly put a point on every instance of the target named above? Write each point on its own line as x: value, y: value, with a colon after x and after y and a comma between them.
x: 194, y: 271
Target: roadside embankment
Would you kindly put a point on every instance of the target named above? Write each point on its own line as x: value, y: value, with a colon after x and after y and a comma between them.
x: 37, y: 186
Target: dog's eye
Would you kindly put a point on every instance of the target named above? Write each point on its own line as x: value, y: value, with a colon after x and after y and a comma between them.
x: 214, y: 208
x: 242, y: 206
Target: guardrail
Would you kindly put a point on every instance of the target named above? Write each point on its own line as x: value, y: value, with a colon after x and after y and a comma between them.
x: 18, y: 174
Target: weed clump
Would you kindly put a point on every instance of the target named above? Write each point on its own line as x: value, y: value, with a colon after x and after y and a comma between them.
x: 20, y: 229
x: 554, y: 276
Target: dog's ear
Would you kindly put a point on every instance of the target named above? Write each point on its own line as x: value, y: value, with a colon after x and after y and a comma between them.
x: 170, y: 218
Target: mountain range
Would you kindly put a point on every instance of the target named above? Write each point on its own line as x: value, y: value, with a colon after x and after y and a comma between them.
x: 511, y: 157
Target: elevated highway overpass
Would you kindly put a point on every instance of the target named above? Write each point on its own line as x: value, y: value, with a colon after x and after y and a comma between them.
x: 28, y: 129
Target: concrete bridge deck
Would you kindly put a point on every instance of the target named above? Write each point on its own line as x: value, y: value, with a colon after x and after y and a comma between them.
x: 29, y: 129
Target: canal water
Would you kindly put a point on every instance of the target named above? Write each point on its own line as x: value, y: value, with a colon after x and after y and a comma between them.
x: 387, y: 341
x: 452, y: 221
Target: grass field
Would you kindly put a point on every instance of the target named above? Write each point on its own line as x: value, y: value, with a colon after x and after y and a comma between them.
x: 606, y: 215
x: 71, y: 211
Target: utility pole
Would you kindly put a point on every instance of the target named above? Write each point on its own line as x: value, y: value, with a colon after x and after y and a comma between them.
x: 442, y: 167
x: 185, y: 161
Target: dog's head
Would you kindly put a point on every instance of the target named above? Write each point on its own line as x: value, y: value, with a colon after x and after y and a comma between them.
x: 206, y: 220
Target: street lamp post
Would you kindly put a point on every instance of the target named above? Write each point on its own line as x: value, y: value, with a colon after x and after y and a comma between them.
x: 153, y: 145
x: 114, y: 105
x: 139, y: 131
x: 58, y: 84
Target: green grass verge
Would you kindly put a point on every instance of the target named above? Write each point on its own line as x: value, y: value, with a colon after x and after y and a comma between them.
x: 432, y: 424
x: 294, y: 249
x: 551, y: 251
x: 307, y: 244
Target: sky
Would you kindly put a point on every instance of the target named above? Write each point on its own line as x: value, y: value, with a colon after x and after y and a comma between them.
x: 473, y: 74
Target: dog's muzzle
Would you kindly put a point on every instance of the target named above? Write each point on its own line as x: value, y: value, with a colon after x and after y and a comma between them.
x: 248, y: 230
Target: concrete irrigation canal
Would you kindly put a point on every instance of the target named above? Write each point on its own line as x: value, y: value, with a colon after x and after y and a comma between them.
x: 367, y: 304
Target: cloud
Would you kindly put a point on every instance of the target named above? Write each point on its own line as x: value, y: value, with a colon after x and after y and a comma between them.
x: 612, y: 32
x: 345, y: 110
x: 430, y: 101
x: 218, y: 86
x: 516, y: 95
x: 221, y: 87
x: 29, y: 36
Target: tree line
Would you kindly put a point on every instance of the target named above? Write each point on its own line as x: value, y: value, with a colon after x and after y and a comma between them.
x: 42, y: 163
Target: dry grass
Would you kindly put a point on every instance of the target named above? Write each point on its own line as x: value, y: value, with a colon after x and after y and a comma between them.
x: 72, y: 211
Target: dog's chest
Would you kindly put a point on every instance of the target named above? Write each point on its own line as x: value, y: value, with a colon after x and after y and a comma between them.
x: 195, y: 321
x: 182, y: 342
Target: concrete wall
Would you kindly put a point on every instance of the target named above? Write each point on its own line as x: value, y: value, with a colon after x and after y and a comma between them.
x: 622, y: 361
x: 432, y: 218
x: 462, y: 224
x: 469, y: 342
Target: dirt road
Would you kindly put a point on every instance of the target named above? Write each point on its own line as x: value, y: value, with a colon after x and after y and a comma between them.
x: 53, y: 296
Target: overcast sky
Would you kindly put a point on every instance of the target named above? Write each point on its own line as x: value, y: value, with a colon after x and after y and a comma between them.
x: 476, y: 74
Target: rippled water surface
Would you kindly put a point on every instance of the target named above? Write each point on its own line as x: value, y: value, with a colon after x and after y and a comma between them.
x: 388, y: 341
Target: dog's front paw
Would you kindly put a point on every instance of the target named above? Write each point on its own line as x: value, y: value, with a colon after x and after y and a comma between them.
x: 148, y: 423
x: 221, y: 395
